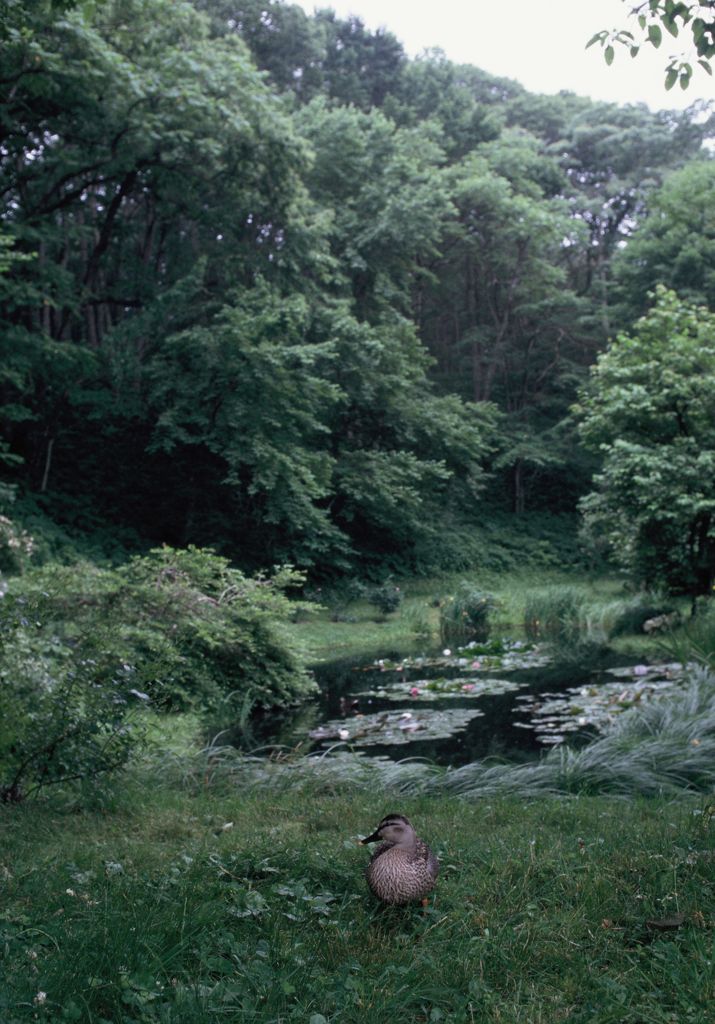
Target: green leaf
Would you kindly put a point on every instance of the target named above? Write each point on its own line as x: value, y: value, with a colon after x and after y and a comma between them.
x: 671, y: 26
x: 705, y: 64
x: 655, y: 35
x: 609, y: 54
x: 670, y: 79
x: 634, y: 51
x: 597, y: 38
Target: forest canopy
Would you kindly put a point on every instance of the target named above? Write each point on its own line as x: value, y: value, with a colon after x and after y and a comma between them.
x: 269, y: 286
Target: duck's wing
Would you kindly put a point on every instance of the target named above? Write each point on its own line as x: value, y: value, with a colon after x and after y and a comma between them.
x: 425, y: 854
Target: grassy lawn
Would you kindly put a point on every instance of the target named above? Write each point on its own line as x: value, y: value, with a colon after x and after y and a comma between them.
x: 190, y: 908
x: 415, y: 625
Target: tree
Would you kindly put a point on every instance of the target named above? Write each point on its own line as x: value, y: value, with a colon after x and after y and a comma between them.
x: 674, y: 245
x: 649, y: 410
x: 697, y: 18
x: 388, y: 198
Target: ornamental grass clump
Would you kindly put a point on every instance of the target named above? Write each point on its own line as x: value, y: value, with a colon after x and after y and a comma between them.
x: 695, y: 640
x: 465, y: 616
x: 629, y: 615
x: 556, y: 614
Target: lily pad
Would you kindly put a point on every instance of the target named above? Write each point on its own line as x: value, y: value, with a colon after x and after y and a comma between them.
x: 502, y: 654
x: 554, y: 716
x: 443, y: 686
x: 396, y: 727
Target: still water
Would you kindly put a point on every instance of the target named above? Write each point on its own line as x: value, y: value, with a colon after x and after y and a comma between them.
x: 457, y: 707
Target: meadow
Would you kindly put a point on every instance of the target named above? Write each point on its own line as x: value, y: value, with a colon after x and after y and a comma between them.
x: 203, y: 906
x: 208, y: 886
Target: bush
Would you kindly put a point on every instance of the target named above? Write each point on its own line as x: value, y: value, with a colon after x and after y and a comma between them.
x: 465, y: 616
x: 85, y: 645
x: 387, y: 598
x: 66, y: 711
x: 340, y: 595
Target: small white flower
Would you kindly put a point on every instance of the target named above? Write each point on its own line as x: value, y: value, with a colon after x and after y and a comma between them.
x: 344, y: 734
x: 446, y: 652
x: 40, y: 998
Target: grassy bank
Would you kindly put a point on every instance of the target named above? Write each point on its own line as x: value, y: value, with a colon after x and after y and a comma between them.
x: 342, y: 628
x: 200, y: 908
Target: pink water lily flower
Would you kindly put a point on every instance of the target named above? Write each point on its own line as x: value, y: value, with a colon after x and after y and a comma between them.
x: 476, y: 664
x: 468, y: 686
x: 414, y: 692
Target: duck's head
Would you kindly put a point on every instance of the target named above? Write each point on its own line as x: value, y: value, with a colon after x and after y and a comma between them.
x: 394, y: 828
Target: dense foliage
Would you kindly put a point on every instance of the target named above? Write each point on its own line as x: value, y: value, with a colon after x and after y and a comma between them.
x: 649, y: 410
x: 270, y: 286
x: 85, y: 648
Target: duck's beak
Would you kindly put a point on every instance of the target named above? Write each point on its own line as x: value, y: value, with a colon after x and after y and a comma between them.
x: 370, y: 839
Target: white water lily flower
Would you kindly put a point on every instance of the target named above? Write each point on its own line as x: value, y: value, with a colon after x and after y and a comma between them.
x: 40, y: 998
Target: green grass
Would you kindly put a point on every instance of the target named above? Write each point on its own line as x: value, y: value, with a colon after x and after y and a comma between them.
x: 415, y: 625
x: 160, y: 912
x: 664, y: 746
x: 216, y: 888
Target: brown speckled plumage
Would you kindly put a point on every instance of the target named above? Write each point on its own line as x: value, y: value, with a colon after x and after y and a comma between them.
x: 403, y: 868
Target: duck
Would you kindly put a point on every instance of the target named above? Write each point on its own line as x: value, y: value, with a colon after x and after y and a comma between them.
x: 403, y: 868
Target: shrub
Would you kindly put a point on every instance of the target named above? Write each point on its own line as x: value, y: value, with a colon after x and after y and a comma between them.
x: 199, y: 633
x: 465, y: 616
x: 65, y: 710
x: 16, y: 547
x: 387, y: 597
x: 340, y: 595
x: 84, y: 646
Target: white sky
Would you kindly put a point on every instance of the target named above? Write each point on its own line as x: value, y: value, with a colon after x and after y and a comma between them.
x: 540, y: 43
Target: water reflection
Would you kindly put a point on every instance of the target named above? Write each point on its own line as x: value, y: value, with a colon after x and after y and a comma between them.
x: 510, y: 701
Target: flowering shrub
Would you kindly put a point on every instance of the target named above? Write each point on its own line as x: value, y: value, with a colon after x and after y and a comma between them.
x: 16, y: 546
x: 84, y: 647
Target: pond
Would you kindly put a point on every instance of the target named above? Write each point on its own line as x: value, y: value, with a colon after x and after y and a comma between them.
x: 504, y: 698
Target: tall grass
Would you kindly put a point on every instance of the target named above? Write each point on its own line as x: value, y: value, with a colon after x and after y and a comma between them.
x: 694, y: 640
x: 465, y: 615
x: 662, y: 747
x: 571, y: 620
